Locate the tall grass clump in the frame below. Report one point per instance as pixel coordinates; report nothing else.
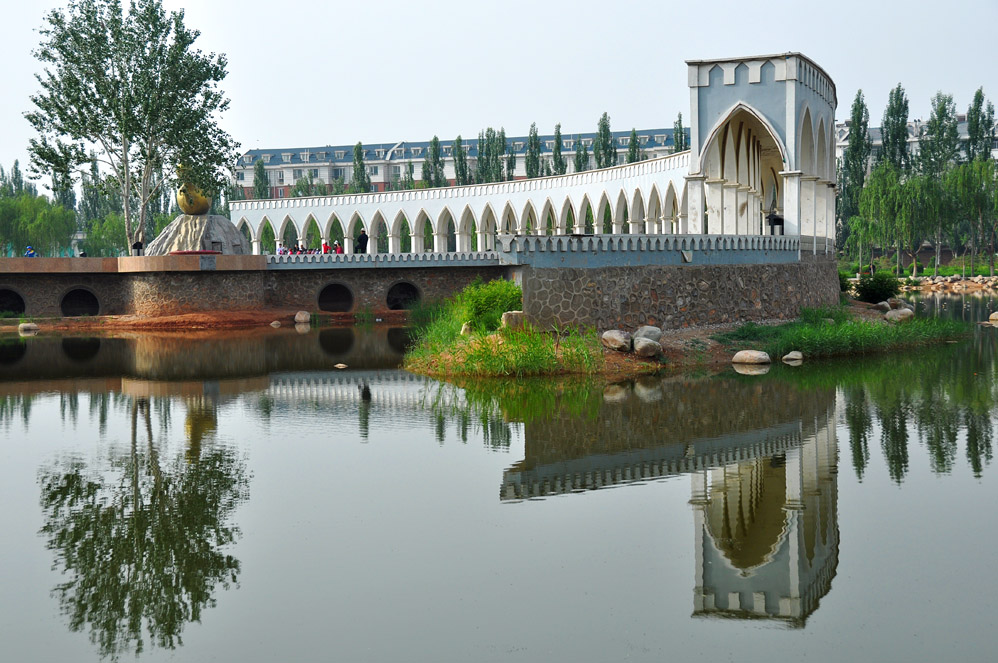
(440, 349)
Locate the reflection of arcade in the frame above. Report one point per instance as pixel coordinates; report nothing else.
(767, 534)
(764, 480)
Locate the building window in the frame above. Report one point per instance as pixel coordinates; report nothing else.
(265, 157)
(660, 139)
(518, 145)
(372, 170)
(280, 193)
(623, 142)
(587, 142)
(396, 171)
(416, 151)
(549, 144)
(248, 158)
(568, 144)
(322, 156)
(339, 154)
(447, 150)
(304, 156)
(297, 174)
(315, 173)
(337, 173)
(286, 157)
(240, 176)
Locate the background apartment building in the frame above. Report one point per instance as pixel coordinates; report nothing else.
(387, 162)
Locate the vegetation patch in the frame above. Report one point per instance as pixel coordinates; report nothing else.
(832, 331)
(440, 348)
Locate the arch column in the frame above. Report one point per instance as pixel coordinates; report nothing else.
(418, 243)
(830, 216)
(651, 225)
(743, 207)
(486, 240)
(695, 204)
(791, 201)
(440, 242)
(257, 247)
(394, 243)
(713, 206)
(808, 206)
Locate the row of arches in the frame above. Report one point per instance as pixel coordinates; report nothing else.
(466, 230)
(75, 302)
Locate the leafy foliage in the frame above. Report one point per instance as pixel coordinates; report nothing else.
(877, 287)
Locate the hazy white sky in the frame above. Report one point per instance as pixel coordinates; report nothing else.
(305, 73)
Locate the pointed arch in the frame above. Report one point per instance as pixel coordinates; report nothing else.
(620, 214)
(245, 229)
(422, 232)
(353, 229)
(289, 231)
(400, 234)
(465, 232)
(654, 207)
(378, 242)
(585, 219)
(564, 217)
(445, 232)
(488, 228)
(334, 228)
(725, 119)
(636, 213)
(529, 223)
(821, 158)
(549, 223)
(509, 223)
(603, 215)
(267, 236)
(806, 144)
(670, 211)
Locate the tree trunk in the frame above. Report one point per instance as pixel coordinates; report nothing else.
(939, 241)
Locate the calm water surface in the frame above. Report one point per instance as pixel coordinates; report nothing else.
(197, 499)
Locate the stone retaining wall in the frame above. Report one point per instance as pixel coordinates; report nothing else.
(676, 296)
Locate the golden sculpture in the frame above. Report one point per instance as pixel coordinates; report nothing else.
(192, 200)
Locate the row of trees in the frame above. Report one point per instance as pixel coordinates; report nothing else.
(496, 162)
(944, 192)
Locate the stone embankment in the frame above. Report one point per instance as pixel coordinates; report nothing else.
(957, 282)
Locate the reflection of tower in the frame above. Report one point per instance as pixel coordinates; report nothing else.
(767, 532)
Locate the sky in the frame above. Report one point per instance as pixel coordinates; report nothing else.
(307, 73)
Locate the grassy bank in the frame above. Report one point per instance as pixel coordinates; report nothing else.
(815, 336)
(488, 351)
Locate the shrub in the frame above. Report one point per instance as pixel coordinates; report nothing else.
(486, 302)
(877, 288)
(844, 281)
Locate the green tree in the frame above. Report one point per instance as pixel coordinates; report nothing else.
(894, 130)
(855, 161)
(939, 145)
(880, 204)
(492, 163)
(679, 135)
(974, 188)
(980, 127)
(532, 159)
(462, 175)
(434, 165)
(132, 87)
(408, 181)
(261, 183)
(633, 149)
(558, 163)
(361, 181)
(581, 156)
(604, 149)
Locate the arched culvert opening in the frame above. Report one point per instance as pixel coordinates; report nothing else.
(335, 298)
(12, 350)
(80, 349)
(400, 339)
(79, 302)
(402, 296)
(11, 303)
(336, 342)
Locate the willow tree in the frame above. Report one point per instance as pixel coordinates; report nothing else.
(130, 86)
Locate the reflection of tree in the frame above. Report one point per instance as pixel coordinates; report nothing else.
(860, 423)
(142, 552)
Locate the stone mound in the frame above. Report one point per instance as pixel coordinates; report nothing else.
(199, 233)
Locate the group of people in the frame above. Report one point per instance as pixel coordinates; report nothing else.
(360, 246)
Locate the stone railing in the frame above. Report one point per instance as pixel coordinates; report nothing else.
(380, 260)
(637, 250)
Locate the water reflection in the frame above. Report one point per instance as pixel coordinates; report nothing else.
(762, 457)
(141, 536)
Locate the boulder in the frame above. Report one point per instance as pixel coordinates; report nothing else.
(649, 332)
(339, 367)
(648, 389)
(27, 329)
(303, 317)
(883, 307)
(202, 232)
(993, 317)
(751, 357)
(275, 324)
(513, 320)
(899, 315)
(616, 339)
(645, 347)
(793, 362)
(302, 327)
(896, 303)
(793, 356)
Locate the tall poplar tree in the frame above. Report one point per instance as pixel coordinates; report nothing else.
(679, 135)
(433, 165)
(558, 164)
(261, 183)
(361, 181)
(854, 161)
(980, 127)
(939, 145)
(633, 149)
(603, 147)
(461, 174)
(532, 159)
(894, 131)
(581, 156)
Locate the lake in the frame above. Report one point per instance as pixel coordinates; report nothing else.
(205, 497)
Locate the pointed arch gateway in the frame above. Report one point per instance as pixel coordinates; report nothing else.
(604, 215)
(487, 229)
(268, 237)
(400, 234)
(422, 233)
(290, 233)
(466, 229)
(445, 232)
(246, 231)
(549, 225)
(334, 231)
(620, 224)
(586, 219)
(528, 220)
(312, 234)
(378, 234)
(354, 226)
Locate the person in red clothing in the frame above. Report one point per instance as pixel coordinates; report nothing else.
(325, 246)
(337, 247)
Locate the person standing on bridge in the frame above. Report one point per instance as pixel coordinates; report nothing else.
(362, 241)
(30, 253)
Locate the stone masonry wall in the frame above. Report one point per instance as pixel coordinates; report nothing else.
(175, 293)
(301, 288)
(43, 293)
(677, 296)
